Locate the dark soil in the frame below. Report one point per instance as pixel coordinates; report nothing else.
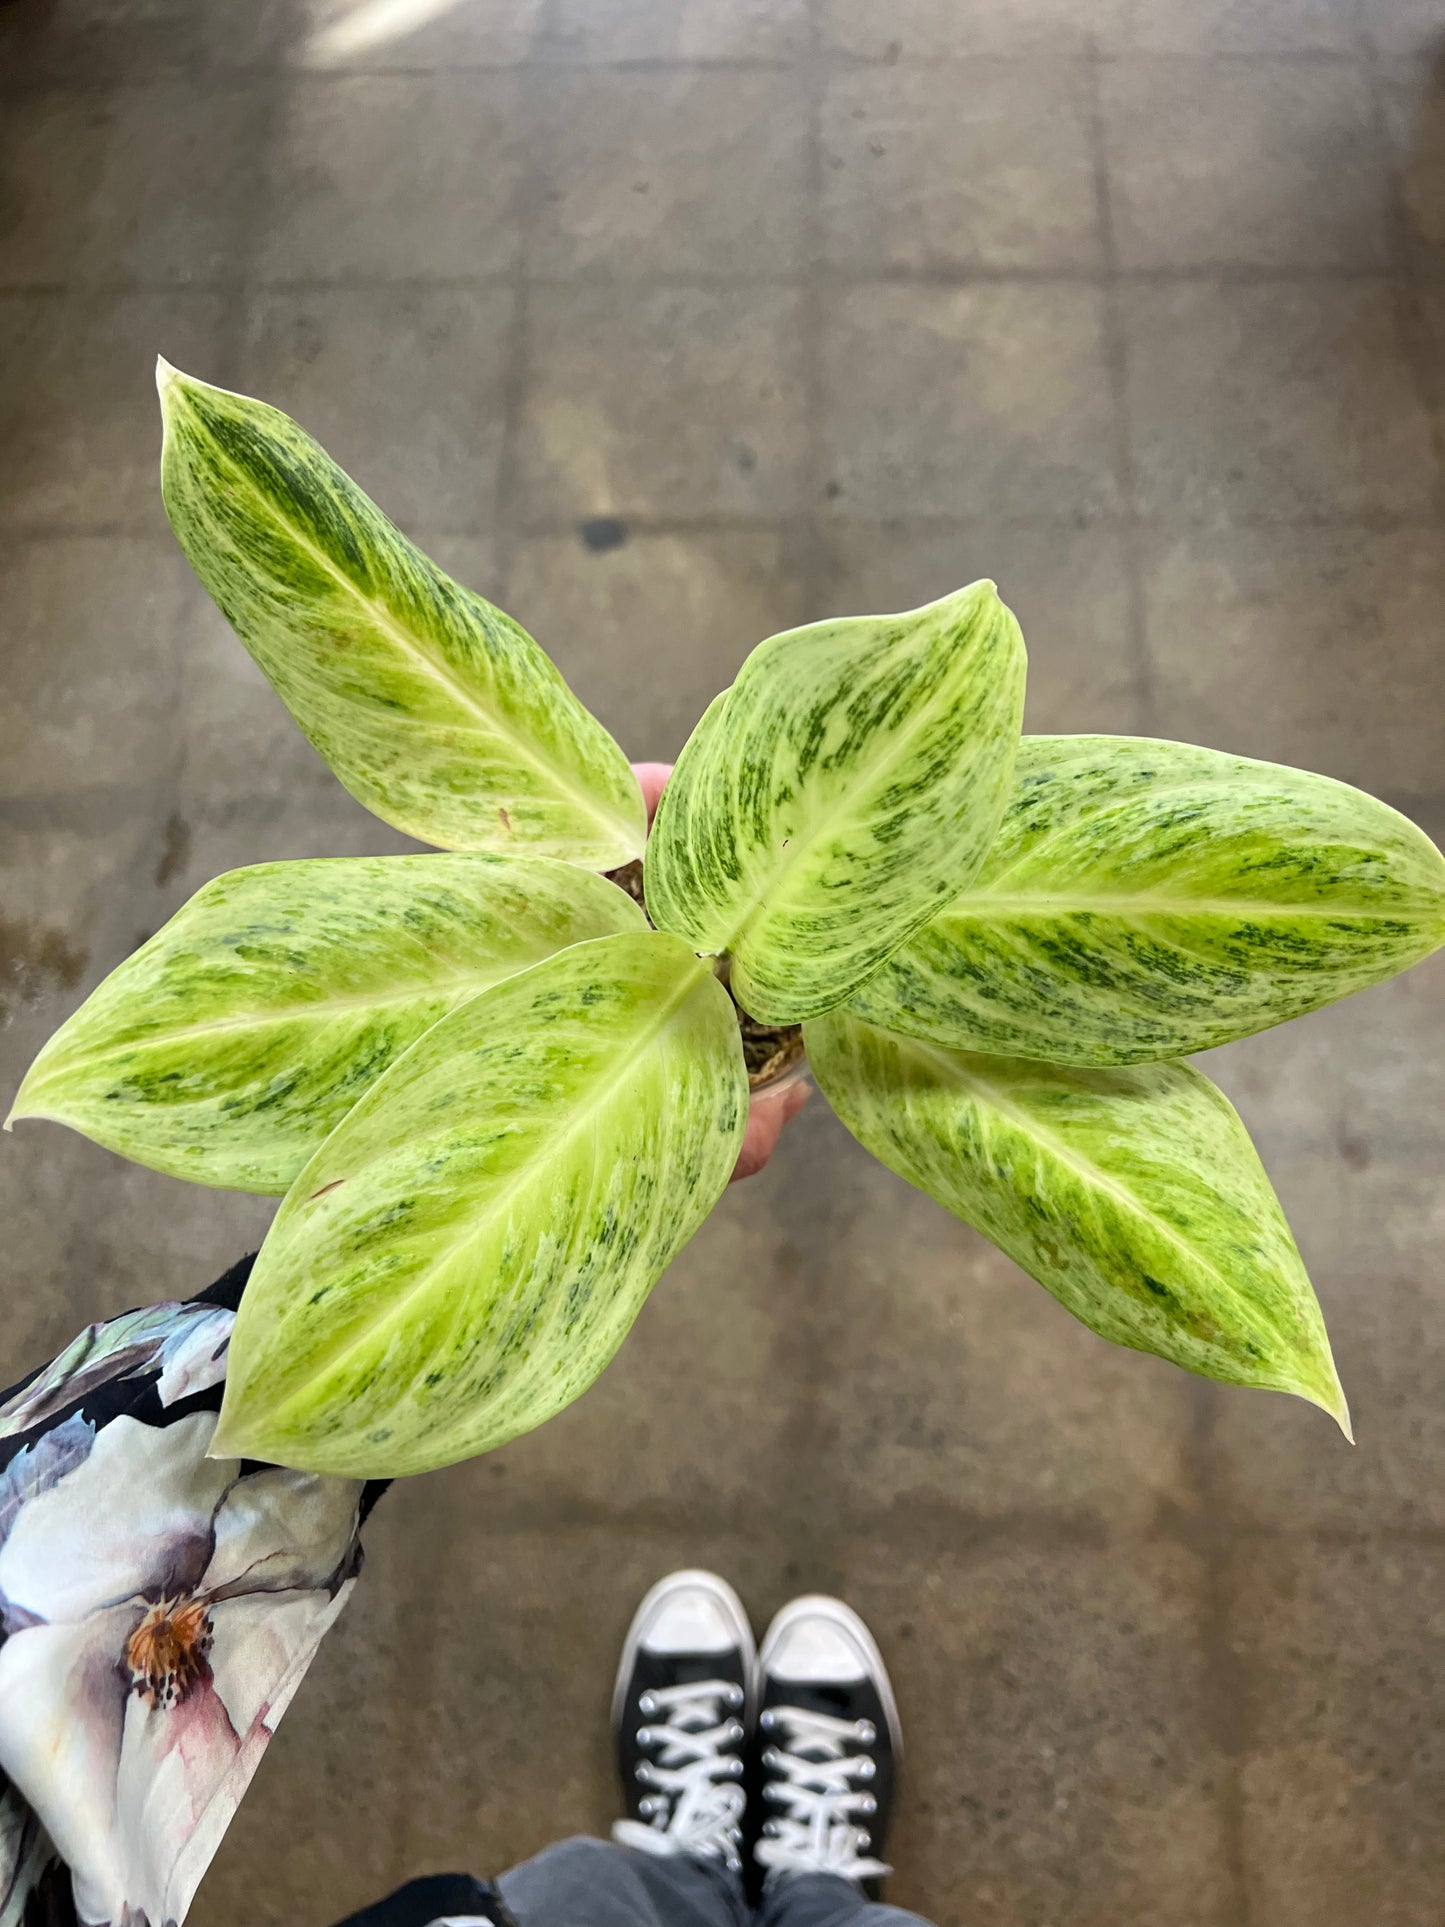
(629, 878)
(768, 1049)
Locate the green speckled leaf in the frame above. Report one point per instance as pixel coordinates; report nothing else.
(434, 708)
(837, 795)
(1134, 1195)
(1143, 900)
(226, 1048)
(468, 1249)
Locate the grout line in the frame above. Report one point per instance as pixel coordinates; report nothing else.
(528, 199)
(553, 59)
(1410, 273)
(429, 1577)
(642, 523)
(1216, 1655)
(828, 277)
(814, 562)
(906, 1520)
(159, 810)
(503, 523)
(1116, 358)
(807, 1500)
(1225, 1694)
(557, 62)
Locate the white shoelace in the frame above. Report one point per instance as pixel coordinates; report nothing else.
(698, 1805)
(814, 1764)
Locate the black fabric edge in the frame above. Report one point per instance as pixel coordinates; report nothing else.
(432, 1897)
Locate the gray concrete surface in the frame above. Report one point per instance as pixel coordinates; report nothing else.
(831, 305)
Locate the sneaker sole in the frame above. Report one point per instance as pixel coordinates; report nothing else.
(821, 1606)
(691, 1579)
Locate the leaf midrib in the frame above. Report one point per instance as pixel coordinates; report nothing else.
(468, 984)
(803, 843)
(1088, 1173)
(581, 1115)
(495, 725)
(982, 903)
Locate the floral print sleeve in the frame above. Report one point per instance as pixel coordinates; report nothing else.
(157, 1612)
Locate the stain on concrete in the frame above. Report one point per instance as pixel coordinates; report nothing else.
(603, 532)
(36, 961)
(175, 849)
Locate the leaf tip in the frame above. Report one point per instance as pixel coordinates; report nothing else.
(229, 1441)
(1334, 1401)
(973, 596)
(1329, 1396)
(19, 1110)
(169, 383)
(167, 378)
(21, 1105)
(174, 386)
(1339, 1411)
(234, 1437)
(980, 604)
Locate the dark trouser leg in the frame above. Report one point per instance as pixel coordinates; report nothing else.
(436, 1896)
(822, 1900)
(590, 1883)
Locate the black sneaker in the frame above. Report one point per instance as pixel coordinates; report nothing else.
(828, 1726)
(680, 1718)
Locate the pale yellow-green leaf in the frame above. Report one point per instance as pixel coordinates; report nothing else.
(845, 787)
(435, 710)
(226, 1048)
(470, 1246)
(1134, 1195)
(1144, 900)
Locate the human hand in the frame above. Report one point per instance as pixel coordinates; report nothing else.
(770, 1111)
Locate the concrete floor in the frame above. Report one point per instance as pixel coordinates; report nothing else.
(669, 323)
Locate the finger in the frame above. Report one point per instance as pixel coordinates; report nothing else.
(766, 1118)
(764, 1127)
(650, 779)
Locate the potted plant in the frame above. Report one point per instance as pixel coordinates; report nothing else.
(499, 1088)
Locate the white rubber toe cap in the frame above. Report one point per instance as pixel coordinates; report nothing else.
(815, 1640)
(687, 1612)
(692, 1612)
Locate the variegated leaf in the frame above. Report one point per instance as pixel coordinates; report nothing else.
(470, 1246)
(226, 1048)
(1134, 1195)
(837, 795)
(1144, 900)
(436, 710)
